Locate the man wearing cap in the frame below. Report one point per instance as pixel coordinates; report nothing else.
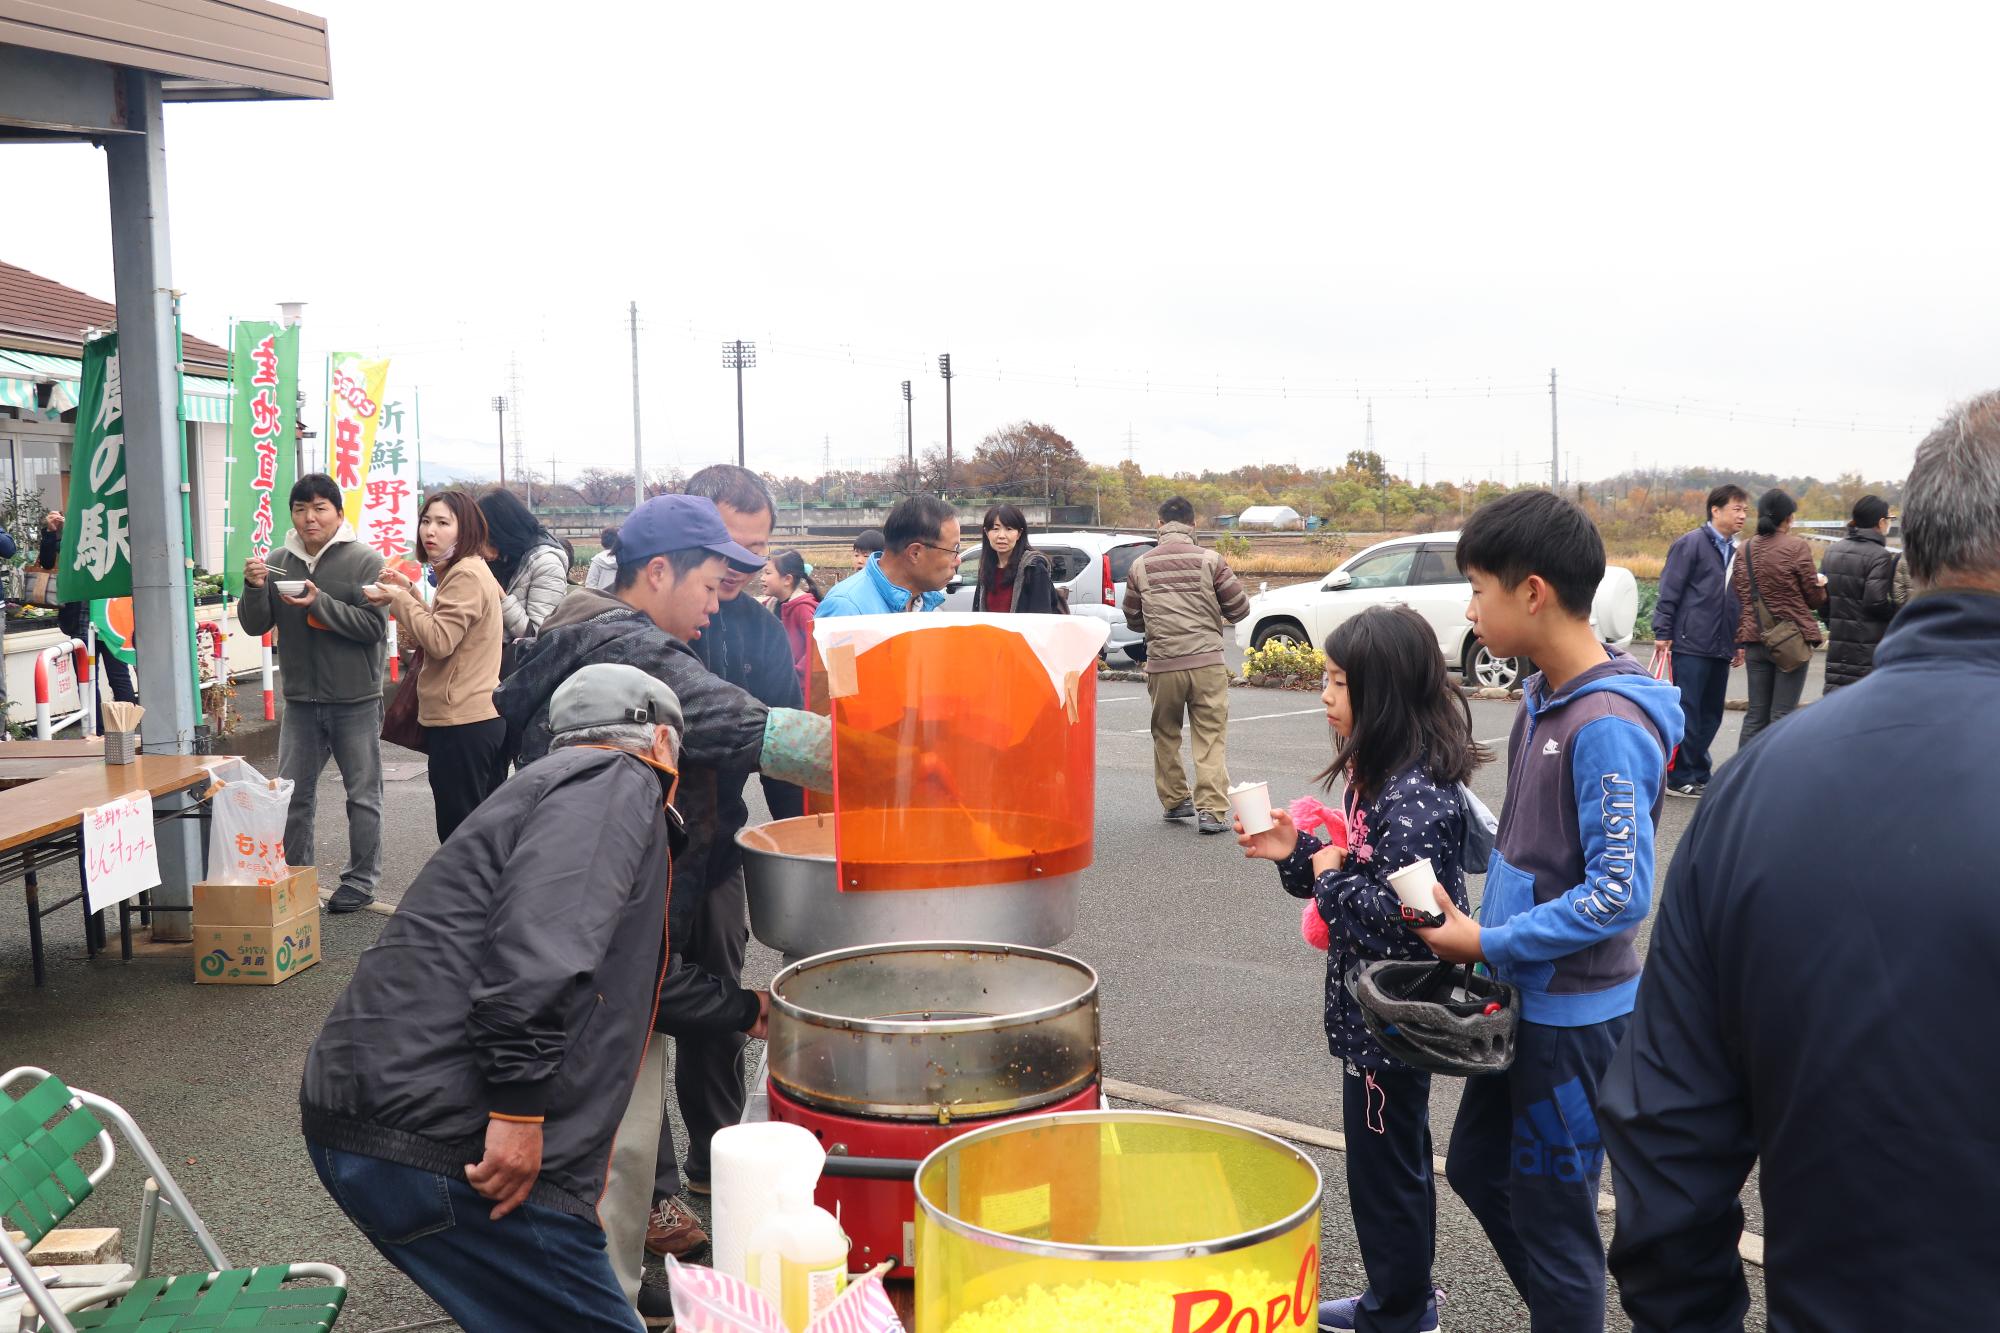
(673, 554)
(460, 1102)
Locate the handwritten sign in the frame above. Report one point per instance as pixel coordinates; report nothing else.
(120, 859)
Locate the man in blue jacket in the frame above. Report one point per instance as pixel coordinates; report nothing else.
(1695, 620)
(919, 555)
(1817, 994)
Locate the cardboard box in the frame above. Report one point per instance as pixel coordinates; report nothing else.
(256, 904)
(256, 955)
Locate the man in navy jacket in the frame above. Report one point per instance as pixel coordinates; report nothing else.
(1696, 620)
(1818, 996)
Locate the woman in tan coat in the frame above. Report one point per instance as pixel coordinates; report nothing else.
(460, 633)
(1792, 589)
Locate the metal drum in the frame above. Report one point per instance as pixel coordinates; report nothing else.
(797, 908)
(934, 1031)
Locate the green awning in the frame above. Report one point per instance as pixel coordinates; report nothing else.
(203, 398)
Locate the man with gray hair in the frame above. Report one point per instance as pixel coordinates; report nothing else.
(1814, 995)
(459, 1105)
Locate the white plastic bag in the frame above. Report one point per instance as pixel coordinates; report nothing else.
(246, 838)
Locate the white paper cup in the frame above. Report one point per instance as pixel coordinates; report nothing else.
(1250, 802)
(1413, 885)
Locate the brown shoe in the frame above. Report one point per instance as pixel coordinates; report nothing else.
(674, 1229)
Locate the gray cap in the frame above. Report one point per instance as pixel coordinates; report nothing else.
(609, 694)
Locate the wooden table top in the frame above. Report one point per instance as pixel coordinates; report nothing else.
(55, 803)
(84, 748)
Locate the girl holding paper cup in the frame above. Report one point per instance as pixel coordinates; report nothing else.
(1403, 743)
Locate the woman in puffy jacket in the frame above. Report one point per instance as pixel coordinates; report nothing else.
(1861, 600)
(1792, 590)
(529, 563)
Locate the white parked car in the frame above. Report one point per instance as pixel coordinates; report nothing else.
(1090, 565)
(1419, 572)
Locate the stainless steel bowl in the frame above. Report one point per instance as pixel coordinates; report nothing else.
(797, 908)
(929, 1030)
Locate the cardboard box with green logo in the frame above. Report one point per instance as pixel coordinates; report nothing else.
(256, 934)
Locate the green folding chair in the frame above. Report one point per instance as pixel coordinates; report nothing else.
(42, 1132)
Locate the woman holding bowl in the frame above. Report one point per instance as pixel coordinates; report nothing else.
(459, 633)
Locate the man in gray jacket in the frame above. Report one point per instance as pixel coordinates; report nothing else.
(461, 1101)
(1180, 595)
(330, 661)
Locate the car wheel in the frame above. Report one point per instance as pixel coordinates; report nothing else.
(1482, 668)
(1278, 631)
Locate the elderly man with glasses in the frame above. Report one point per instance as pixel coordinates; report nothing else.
(918, 558)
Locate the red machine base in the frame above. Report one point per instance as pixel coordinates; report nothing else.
(879, 1216)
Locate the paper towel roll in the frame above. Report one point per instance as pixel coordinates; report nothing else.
(748, 1164)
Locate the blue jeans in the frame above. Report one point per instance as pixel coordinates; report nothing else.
(350, 735)
(535, 1269)
(1392, 1194)
(1704, 684)
(1526, 1157)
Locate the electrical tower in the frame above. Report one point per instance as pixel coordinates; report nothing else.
(514, 402)
(1129, 442)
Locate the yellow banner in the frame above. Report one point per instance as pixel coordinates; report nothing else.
(353, 406)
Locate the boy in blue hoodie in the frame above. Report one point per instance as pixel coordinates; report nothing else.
(1570, 880)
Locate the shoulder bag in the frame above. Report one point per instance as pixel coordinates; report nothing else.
(399, 719)
(1783, 638)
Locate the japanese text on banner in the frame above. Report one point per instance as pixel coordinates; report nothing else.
(353, 411)
(262, 443)
(389, 502)
(96, 559)
(120, 859)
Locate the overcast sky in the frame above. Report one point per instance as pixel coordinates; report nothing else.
(1223, 231)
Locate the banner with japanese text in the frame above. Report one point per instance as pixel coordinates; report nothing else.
(263, 444)
(390, 500)
(96, 559)
(353, 411)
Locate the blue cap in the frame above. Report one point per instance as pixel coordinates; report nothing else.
(680, 523)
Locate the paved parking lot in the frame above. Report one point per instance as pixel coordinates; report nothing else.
(1208, 992)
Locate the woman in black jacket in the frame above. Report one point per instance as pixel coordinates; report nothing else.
(1860, 575)
(1013, 575)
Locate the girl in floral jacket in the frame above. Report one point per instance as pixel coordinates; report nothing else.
(1404, 744)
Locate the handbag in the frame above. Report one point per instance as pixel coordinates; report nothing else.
(1783, 638)
(399, 719)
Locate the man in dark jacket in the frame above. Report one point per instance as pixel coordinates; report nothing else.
(1814, 998)
(460, 1102)
(1860, 572)
(330, 641)
(1695, 620)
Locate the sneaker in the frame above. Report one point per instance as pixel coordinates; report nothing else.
(1339, 1316)
(656, 1307)
(1207, 823)
(674, 1229)
(347, 898)
(1185, 810)
(1691, 790)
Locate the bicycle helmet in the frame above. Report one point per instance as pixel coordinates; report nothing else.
(1438, 1017)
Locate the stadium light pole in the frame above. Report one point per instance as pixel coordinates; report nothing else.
(739, 356)
(944, 369)
(500, 410)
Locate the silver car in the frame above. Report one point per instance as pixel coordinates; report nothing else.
(1090, 566)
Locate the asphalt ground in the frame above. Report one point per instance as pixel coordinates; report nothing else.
(1208, 992)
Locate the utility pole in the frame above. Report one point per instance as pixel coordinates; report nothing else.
(638, 455)
(500, 410)
(1555, 452)
(944, 369)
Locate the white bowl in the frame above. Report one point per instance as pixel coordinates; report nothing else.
(291, 587)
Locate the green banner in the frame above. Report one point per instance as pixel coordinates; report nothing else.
(263, 444)
(96, 559)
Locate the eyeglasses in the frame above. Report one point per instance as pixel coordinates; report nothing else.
(933, 546)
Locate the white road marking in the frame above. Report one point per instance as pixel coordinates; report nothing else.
(1253, 717)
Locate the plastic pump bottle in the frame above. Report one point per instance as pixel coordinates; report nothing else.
(797, 1256)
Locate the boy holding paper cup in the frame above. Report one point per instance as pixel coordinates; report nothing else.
(1403, 744)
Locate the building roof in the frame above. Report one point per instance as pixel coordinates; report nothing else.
(40, 315)
(1269, 514)
(207, 50)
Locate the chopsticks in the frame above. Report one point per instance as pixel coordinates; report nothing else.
(122, 716)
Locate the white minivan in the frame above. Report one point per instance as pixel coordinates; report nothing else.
(1091, 566)
(1419, 572)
